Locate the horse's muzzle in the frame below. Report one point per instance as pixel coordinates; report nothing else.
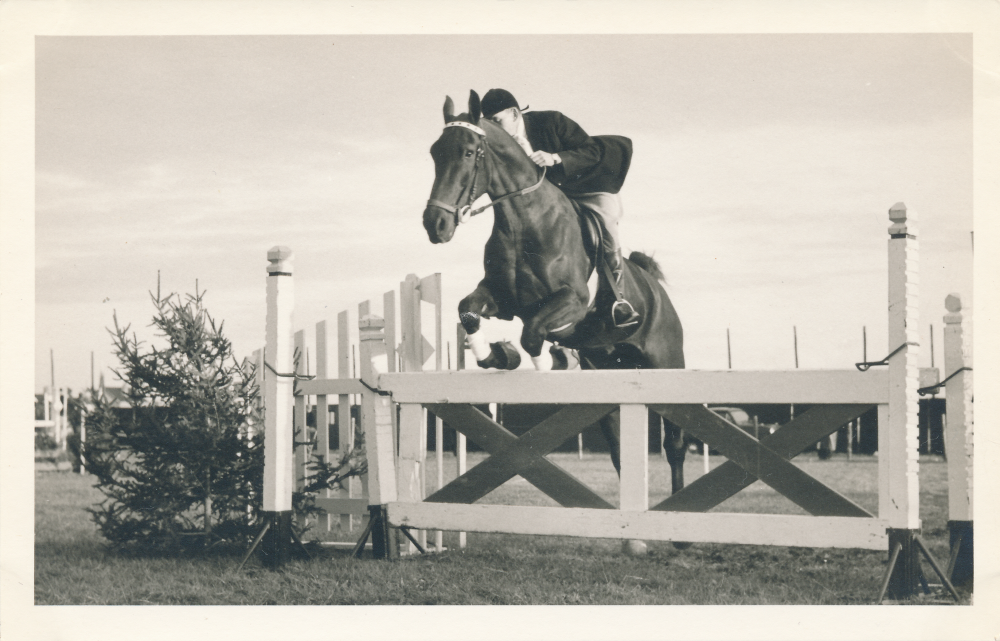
(439, 223)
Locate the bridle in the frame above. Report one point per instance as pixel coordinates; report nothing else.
(463, 213)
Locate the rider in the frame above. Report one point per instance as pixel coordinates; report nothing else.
(589, 169)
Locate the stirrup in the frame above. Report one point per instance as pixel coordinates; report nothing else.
(629, 315)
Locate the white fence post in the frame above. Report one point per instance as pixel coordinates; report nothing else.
(278, 390)
(898, 428)
(958, 443)
(376, 420)
(958, 399)
(634, 462)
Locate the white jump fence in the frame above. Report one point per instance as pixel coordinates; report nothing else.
(397, 497)
(346, 508)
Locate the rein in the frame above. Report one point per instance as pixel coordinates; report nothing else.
(462, 214)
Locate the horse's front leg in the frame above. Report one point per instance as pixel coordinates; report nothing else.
(473, 308)
(556, 315)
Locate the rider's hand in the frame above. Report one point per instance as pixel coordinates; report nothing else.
(545, 159)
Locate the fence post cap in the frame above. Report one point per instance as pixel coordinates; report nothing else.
(903, 222)
(280, 258)
(953, 303)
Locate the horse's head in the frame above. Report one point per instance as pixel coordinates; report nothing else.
(459, 169)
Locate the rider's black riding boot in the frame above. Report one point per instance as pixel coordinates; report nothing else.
(622, 312)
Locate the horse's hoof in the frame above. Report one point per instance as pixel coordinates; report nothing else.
(564, 359)
(506, 355)
(634, 547)
(681, 545)
(503, 355)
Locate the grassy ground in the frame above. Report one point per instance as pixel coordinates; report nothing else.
(72, 566)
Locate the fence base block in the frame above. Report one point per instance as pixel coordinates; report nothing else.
(903, 575)
(275, 547)
(960, 569)
(903, 572)
(385, 544)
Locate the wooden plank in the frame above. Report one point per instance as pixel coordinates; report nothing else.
(345, 429)
(301, 450)
(376, 417)
(750, 529)
(322, 404)
(300, 446)
(787, 442)
(343, 506)
(411, 424)
(513, 456)
(640, 386)
(329, 386)
(439, 460)
(412, 338)
(323, 410)
(259, 378)
(389, 313)
(747, 452)
(430, 291)
(634, 481)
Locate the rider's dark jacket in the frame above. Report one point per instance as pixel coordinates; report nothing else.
(589, 163)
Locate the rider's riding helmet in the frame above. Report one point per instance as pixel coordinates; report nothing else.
(496, 100)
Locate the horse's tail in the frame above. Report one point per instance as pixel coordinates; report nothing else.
(649, 264)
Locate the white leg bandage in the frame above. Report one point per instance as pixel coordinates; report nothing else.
(479, 345)
(543, 362)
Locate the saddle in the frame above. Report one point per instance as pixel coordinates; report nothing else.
(592, 228)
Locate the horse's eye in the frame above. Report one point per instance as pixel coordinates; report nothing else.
(468, 153)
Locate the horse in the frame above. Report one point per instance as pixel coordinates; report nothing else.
(537, 268)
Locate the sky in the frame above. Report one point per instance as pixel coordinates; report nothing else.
(764, 169)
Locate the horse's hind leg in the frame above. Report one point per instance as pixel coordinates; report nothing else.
(473, 308)
(611, 429)
(674, 446)
(557, 315)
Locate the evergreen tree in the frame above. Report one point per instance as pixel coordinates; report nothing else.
(182, 468)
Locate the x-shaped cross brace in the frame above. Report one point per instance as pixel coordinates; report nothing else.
(511, 455)
(768, 459)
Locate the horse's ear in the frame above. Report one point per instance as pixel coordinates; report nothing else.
(474, 107)
(449, 109)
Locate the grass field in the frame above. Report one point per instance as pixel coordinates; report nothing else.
(73, 567)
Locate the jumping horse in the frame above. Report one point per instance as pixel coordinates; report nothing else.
(538, 265)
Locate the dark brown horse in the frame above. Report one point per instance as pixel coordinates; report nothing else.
(537, 266)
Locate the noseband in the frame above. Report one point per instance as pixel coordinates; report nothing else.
(462, 214)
